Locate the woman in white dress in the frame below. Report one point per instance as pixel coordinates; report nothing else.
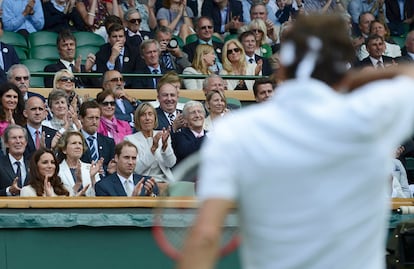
(155, 154)
(204, 58)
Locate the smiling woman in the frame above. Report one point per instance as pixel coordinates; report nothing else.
(11, 106)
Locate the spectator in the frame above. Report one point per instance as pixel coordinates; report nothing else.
(24, 17)
(15, 169)
(259, 11)
(150, 52)
(234, 63)
(172, 57)
(376, 57)
(134, 34)
(64, 118)
(65, 80)
(79, 178)
(215, 9)
(191, 137)
(99, 146)
(62, 14)
(155, 154)
(94, 13)
(177, 16)
(357, 7)
(44, 180)
(109, 125)
(263, 89)
(125, 182)
(409, 46)
(8, 57)
(400, 187)
(398, 14)
(217, 108)
(146, 12)
(364, 26)
(248, 40)
(66, 44)
(204, 58)
(286, 11)
(116, 55)
(11, 106)
(204, 32)
(258, 27)
(19, 75)
(38, 135)
(125, 105)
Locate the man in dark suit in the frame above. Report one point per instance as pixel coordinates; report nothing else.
(234, 14)
(248, 40)
(150, 53)
(124, 182)
(125, 105)
(14, 173)
(99, 146)
(408, 57)
(376, 48)
(189, 139)
(116, 55)
(38, 135)
(8, 57)
(19, 75)
(66, 44)
(204, 32)
(134, 36)
(393, 13)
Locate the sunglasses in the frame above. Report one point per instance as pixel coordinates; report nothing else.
(257, 31)
(67, 79)
(111, 103)
(135, 20)
(205, 27)
(235, 50)
(21, 78)
(116, 80)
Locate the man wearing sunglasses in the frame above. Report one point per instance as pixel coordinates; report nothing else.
(117, 55)
(19, 75)
(134, 36)
(204, 32)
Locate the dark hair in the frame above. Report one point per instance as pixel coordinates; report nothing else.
(115, 28)
(333, 57)
(86, 105)
(63, 143)
(100, 97)
(121, 145)
(110, 20)
(56, 94)
(65, 34)
(18, 112)
(246, 34)
(37, 180)
(373, 37)
(202, 18)
(261, 81)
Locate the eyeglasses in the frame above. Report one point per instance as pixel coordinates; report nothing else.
(135, 20)
(21, 78)
(67, 79)
(116, 80)
(257, 31)
(235, 50)
(205, 27)
(111, 103)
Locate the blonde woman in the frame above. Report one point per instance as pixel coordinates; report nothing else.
(65, 80)
(204, 58)
(258, 27)
(234, 63)
(217, 108)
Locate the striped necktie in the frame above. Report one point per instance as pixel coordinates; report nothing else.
(92, 148)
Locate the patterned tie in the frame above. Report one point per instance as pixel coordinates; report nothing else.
(18, 174)
(171, 117)
(166, 58)
(92, 148)
(37, 139)
(379, 65)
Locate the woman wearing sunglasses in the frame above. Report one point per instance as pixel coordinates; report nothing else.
(258, 27)
(65, 80)
(109, 125)
(234, 63)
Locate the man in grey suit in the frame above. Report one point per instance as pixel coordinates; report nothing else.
(14, 172)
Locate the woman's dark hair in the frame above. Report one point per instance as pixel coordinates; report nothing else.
(18, 112)
(100, 97)
(37, 180)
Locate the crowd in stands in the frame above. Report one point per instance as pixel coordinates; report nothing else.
(114, 144)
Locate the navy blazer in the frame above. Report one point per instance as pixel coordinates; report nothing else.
(266, 67)
(191, 48)
(146, 82)
(212, 10)
(112, 186)
(79, 82)
(7, 174)
(30, 148)
(163, 121)
(106, 150)
(129, 108)
(136, 40)
(184, 143)
(367, 61)
(9, 58)
(131, 61)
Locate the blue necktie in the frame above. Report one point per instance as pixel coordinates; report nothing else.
(166, 58)
(19, 174)
(92, 148)
(155, 79)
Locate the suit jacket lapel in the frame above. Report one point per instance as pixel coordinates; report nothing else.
(118, 188)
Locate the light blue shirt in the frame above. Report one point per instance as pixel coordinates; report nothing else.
(13, 19)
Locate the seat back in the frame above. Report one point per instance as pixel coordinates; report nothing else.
(36, 65)
(46, 52)
(85, 50)
(42, 38)
(88, 39)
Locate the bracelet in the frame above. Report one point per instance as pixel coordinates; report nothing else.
(92, 14)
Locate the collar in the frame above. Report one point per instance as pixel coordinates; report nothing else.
(196, 134)
(131, 34)
(123, 179)
(13, 160)
(374, 61)
(209, 42)
(67, 63)
(33, 130)
(86, 135)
